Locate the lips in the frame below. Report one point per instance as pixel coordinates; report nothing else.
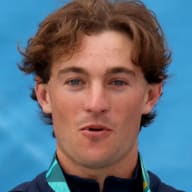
(95, 127)
(96, 131)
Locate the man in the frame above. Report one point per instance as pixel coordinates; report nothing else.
(99, 67)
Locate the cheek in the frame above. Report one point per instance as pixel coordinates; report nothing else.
(128, 110)
(65, 108)
(129, 104)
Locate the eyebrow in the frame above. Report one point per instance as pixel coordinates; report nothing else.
(116, 70)
(72, 70)
(113, 70)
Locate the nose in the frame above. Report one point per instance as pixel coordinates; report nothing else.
(97, 100)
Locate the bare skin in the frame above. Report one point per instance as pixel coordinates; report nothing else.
(97, 98)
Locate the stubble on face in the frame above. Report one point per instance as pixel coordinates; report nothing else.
(90, 99)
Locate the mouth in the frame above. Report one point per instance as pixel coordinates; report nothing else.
(95, 127)
(96, 131)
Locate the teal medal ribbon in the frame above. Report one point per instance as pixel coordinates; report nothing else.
(145, 175)
(57, 181)
(55, 177)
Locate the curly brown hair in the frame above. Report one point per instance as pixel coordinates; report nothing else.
(61, 34)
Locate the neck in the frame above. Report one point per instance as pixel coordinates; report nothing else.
(123, 168)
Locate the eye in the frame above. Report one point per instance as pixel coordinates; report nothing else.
(119, 83)
(75, 82)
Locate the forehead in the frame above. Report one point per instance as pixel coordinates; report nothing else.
(104, 50)
(106, 41)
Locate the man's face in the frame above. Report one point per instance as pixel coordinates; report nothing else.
(96, 99)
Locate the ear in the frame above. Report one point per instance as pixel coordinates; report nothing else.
(152, 96)
(42, 95)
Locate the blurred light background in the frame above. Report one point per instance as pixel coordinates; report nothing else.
(26, 144)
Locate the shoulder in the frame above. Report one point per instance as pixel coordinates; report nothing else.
(157, 185)
(38, 184)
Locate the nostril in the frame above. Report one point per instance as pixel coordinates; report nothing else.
(96, 102)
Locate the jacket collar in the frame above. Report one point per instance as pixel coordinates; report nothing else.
(57, 181)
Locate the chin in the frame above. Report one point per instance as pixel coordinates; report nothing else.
(96, 161)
